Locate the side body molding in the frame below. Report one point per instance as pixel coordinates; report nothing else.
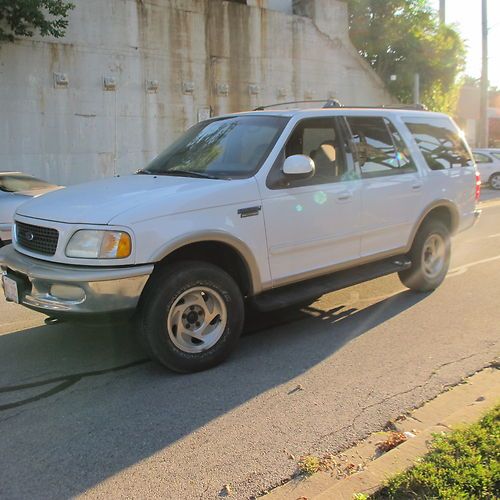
(236, 244)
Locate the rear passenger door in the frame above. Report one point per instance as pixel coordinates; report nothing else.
(391, 195)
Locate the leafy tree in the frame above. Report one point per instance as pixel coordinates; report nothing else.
(22, 17)
(404, 37)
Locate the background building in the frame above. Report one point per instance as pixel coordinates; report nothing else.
(131, 75)
(468, 115)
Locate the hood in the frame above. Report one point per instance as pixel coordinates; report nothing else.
(134, 198)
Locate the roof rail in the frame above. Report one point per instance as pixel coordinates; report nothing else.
(416, 107)
(334, 103)
(328, 103)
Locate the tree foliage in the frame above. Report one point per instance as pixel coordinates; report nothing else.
(404, 37)
(23, 17)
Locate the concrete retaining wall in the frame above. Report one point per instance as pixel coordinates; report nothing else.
(131, 75)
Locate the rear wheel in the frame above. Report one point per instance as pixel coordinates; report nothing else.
(190, 316)
(430, 256)
(495, 181)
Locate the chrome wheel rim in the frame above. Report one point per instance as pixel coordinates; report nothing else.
(433, 256)
(197, 320)
(495, 182)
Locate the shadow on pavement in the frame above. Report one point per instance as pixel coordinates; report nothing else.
(107, 420)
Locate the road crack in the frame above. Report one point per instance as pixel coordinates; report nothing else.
(352, 425)
(63, 382)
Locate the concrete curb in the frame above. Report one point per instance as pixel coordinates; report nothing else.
(465, 403)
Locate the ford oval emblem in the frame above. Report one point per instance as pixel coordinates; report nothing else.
(29, 236)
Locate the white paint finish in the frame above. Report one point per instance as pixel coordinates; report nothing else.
(155, 211)
(83, 132)
(312, 227)
(390, 207)
(487, 169)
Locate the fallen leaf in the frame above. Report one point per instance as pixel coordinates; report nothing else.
(393, 439)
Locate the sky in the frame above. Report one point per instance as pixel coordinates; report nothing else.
(466, 15)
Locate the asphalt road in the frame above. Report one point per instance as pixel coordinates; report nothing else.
(82, 412)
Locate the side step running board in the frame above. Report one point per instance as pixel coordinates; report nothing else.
(285, 296)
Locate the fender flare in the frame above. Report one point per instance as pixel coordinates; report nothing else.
(448, 204)
(239, 246)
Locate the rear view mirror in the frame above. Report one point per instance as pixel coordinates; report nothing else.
(299, 166)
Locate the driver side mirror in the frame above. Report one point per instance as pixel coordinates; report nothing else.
(299, 167)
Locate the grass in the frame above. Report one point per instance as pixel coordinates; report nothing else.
(461, 465)
(309, 465)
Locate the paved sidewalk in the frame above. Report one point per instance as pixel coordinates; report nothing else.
(465, 403)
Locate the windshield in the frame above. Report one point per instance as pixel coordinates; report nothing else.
(232, 147)
(14, 183)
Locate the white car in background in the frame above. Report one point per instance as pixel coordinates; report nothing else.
(488, 164)
(15, 189)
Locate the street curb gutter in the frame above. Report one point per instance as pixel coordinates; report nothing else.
(463, 404)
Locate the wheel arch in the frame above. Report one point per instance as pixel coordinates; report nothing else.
(492, 175)
(443, 210)
(218, 248)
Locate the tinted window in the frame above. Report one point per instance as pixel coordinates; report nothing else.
(480, 158)
(439, 142)
(402, 152)
(376, 149)
(225, 147)
(319, 139)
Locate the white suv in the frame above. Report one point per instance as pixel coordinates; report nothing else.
(268, 207)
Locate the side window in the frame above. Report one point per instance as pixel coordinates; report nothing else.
(440, 142)
(319, 139)
(402, 152)
(376, 148)
(496, 155)
(480, 158)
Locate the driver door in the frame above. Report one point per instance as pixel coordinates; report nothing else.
(312, 224)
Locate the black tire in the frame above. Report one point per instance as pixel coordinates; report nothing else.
(162, 292)
(494, 181)
(418, 277)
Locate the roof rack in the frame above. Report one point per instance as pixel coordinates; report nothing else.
(328, 103)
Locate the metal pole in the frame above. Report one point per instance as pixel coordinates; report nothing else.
(442, 11)
(483, 107)
(416, 89)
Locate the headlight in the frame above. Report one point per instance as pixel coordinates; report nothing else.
(90, 244)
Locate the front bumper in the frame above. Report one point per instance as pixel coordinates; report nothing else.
(60, 289)
(5, 234)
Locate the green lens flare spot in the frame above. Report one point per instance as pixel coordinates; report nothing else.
(320, 197)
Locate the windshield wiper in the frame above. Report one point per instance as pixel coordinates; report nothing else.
(186, 173)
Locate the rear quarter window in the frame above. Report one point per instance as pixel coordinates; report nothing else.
(440, 142)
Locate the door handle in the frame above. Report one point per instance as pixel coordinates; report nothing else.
(344, 197)
(416, 186)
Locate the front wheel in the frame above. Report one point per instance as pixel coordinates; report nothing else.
(191, 316)
(495, 181)
(430, 257)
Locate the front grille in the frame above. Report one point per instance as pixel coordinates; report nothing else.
(36, 238)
